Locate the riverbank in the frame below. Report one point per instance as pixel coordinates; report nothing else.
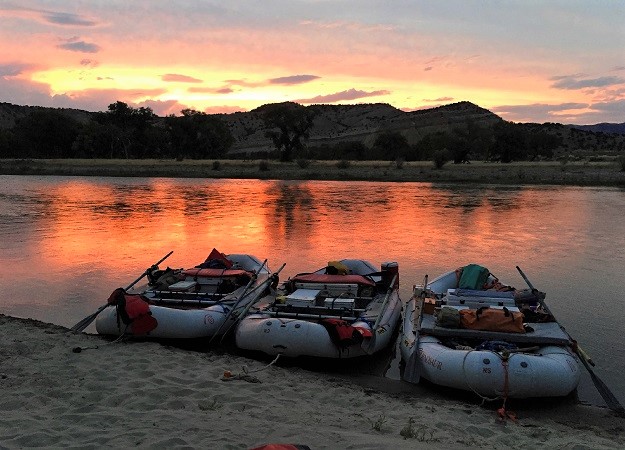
(62, 389)
(571, 173)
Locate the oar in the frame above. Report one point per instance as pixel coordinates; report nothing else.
(370, 344)
(243, 294)
(84, 323)
(412, 372)
(603, 389)
(254, 300)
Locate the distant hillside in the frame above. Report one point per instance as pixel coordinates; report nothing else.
(9, 113)
(617, 128)
(334, 124)
(340, 123)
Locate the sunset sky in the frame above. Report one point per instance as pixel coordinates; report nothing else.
(526, 60)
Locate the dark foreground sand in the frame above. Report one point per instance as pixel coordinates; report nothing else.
(571, 173)
(146, 395)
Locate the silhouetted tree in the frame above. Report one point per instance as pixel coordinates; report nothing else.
(128, 128)
(390, 145)
(287, 125)
(199, 135)
(509, 144)
(541, 143)
(45, 134)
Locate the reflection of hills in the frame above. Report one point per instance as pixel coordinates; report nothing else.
(294, 211)
(468, 199)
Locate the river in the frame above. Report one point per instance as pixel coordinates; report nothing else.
(67, 242)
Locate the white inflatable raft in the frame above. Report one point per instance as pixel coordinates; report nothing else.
(347, 312)
(190, 303)
(537, 362)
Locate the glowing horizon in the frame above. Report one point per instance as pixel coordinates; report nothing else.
(559, 62)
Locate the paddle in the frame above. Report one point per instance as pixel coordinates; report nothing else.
(412, 371)
(243, 294)
(607, 395)
(369, 345)
(247, 307)
(84, 323)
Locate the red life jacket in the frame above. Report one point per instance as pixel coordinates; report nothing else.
(343, 334)
(134, 311)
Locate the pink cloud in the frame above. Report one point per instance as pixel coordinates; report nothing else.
(174, 77)
(350, 94)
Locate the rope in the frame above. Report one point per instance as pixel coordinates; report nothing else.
(483, 397)
(119, 338)
(245, 376)
(502, 414)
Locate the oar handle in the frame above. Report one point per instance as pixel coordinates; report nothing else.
(525, 278)
(147, 270)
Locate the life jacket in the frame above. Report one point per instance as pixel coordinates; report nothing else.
(134, 312)
(343, 334)
(216, 260)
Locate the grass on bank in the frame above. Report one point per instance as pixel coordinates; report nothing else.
(608, 173)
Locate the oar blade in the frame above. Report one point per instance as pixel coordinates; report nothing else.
(84, 323)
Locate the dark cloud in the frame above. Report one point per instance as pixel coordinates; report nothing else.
(577, 82)
(293, 79)
(350, 94)
(61, 18)
(616, 106)
(24, 92)
(174, 77)
(12, 70)
(537, 112)
(88, 62)
(79, 46)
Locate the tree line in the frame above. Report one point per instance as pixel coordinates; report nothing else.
(135, 133)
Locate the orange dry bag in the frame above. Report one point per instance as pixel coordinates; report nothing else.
(491, 319)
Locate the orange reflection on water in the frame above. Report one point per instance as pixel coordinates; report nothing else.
(303, 223)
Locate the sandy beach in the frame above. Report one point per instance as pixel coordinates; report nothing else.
(148, 395)
(577, 173)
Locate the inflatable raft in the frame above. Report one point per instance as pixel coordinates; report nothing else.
(189, 303)
(505, 344)
(345, 310)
